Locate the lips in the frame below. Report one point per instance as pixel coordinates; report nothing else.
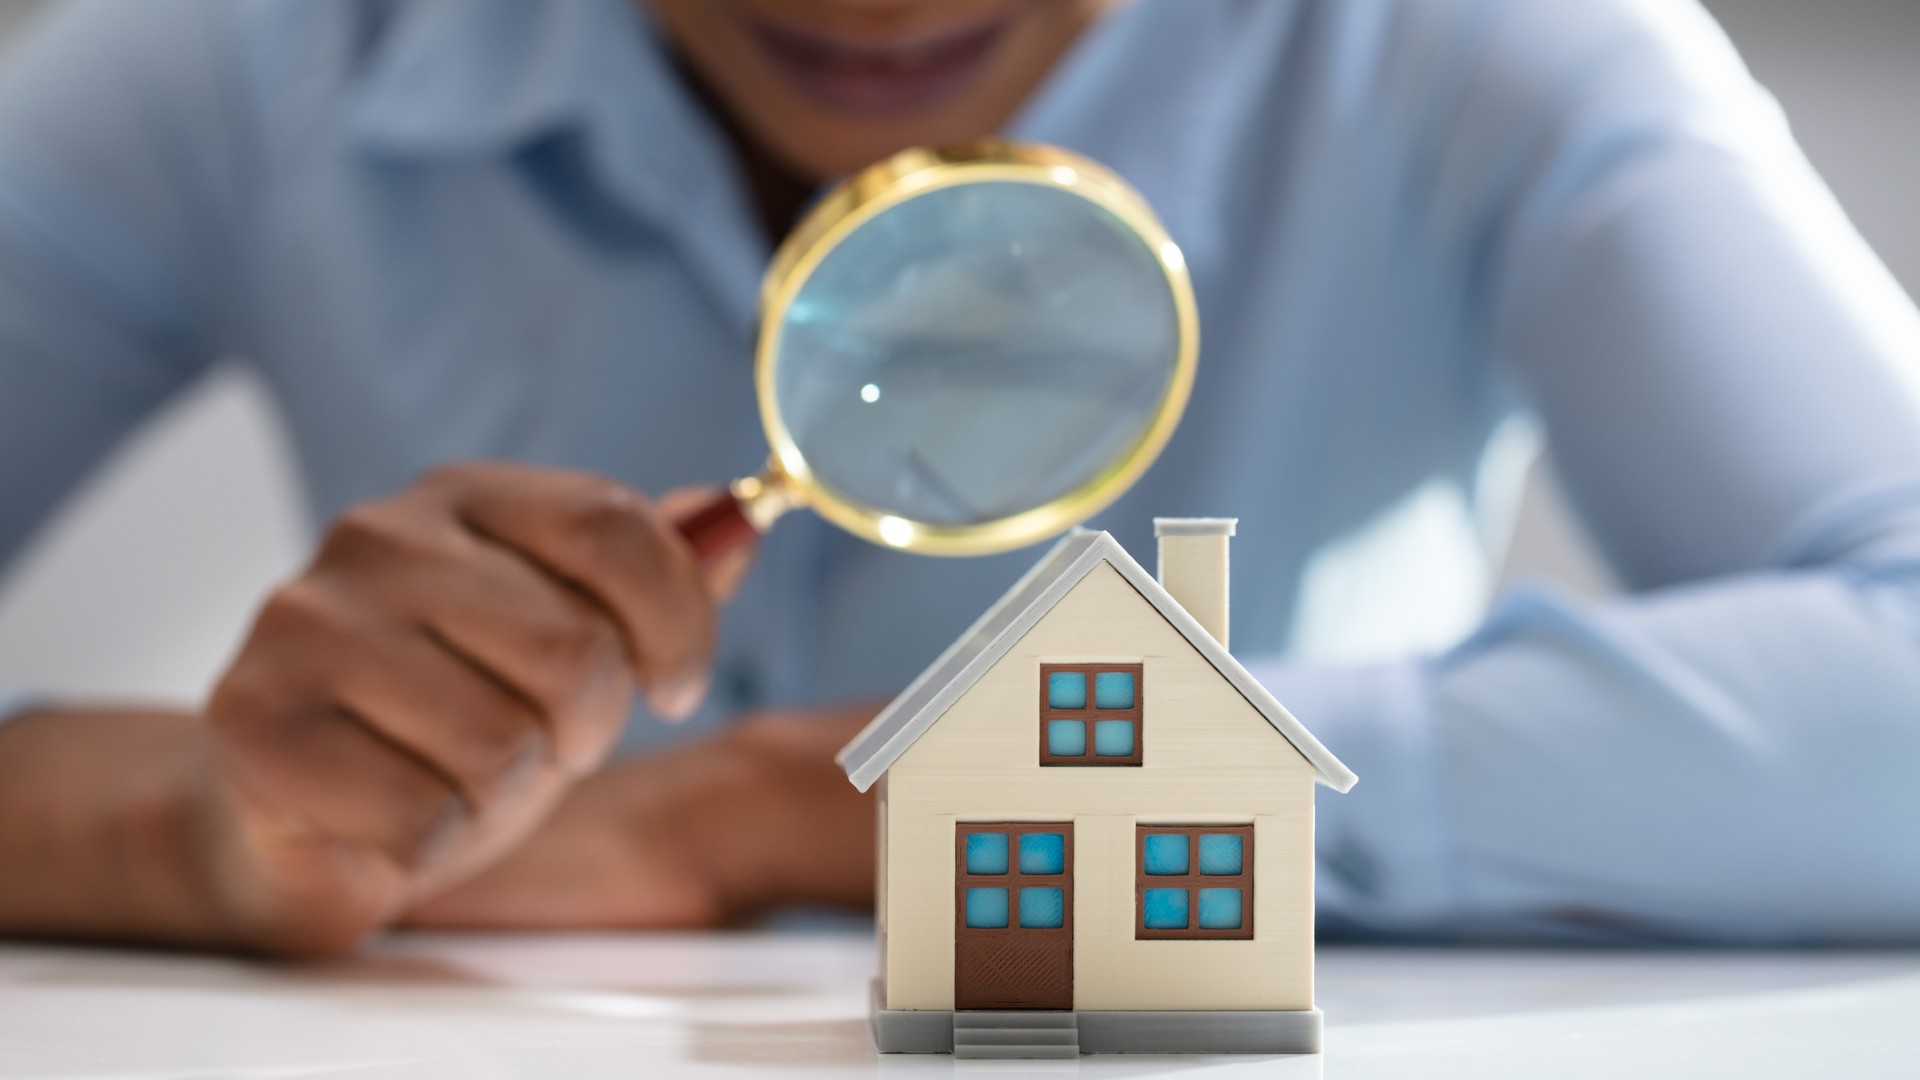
(906, 73)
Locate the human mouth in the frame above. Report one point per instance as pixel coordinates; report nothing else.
(908, 72)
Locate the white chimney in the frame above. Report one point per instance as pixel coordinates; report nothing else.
(1193, 567)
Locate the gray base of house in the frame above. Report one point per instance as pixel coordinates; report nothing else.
(930, 1031)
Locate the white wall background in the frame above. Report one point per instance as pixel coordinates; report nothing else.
(142, 585)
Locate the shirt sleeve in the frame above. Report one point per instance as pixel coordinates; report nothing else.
(1729, 381)
(118, 189)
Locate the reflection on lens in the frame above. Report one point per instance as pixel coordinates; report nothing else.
(976, 352)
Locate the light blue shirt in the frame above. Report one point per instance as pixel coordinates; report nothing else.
(1419, 230)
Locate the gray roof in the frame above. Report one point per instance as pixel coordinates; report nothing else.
(880, 743)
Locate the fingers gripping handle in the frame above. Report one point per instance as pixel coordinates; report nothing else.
(718, 529)
(739, 514)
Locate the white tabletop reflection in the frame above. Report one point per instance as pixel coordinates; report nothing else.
(789, 1004)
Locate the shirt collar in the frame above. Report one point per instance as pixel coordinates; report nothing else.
(477, 78)
(480, 78)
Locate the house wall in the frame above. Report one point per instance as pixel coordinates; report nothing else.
(880, 870)
(1208, 756)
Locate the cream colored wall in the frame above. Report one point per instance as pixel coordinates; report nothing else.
(880, 869)
(1208, 756)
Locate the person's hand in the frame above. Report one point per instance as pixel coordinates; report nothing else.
(713, 833)
(412, 706)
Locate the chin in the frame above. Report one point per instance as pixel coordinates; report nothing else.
(823, 148)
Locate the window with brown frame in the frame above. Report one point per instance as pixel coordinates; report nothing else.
(1090, 714)
(1193, 882)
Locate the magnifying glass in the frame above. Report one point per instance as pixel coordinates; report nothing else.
(964, 351)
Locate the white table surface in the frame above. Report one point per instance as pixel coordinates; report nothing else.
(788, 1004)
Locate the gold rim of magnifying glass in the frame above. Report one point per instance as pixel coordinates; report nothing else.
(788, 483)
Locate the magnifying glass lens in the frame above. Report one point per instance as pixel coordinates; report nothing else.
(975, 352)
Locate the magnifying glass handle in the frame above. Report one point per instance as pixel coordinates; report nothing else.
(718, 529)
(738, 515)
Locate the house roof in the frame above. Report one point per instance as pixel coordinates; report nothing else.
(880, 743)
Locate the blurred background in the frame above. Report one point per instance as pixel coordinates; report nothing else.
(143, 585)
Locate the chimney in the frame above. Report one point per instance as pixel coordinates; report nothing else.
(1193, 567)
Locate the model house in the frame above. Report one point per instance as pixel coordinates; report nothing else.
(1096, 828)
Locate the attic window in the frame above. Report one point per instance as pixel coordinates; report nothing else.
(1090, 714)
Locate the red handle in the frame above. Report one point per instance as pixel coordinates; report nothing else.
(718, 529)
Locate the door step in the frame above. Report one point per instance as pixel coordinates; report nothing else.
(1011, 1034)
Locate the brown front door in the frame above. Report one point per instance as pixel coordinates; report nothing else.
(1013, 916)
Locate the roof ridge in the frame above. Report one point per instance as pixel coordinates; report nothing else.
(878, 745)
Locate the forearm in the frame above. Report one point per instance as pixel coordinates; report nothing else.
(813, 835)
(1729, 762)
(753, 818)
(102, 827)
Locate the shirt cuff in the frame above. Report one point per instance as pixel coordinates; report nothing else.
(1387, 855)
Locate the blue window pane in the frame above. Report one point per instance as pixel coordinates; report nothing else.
(1219, 909)
(1067, 690)
(1043, 853)
(1043, 909)
(1113, 690)
(1165, 909)
(1066, 738)
(1219, 853)
(986, 908)
(1113, 738)
(986, 853)
(1166, 853)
